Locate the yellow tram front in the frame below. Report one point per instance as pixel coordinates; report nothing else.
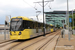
(17, 28)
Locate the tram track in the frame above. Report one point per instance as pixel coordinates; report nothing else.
(34, 44)
(7, 46)
(21, 45)
(47, 43)
(6, 43)
(14, 46)
(27, 42)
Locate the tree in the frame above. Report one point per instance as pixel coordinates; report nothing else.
(57, 26)
(72, 20)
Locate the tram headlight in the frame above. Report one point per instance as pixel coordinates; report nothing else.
(19, 33)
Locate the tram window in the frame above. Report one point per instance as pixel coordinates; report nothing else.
(28, 25)
(25, 24)
(39, 25)
(51, 26)
(31, 24)
(34, 25)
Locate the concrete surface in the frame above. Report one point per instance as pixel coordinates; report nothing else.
(65, 43)
(2, 36)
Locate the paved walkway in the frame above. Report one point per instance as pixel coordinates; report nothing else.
(2, 38)
(65, 43)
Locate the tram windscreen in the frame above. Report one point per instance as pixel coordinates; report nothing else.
(16, 24)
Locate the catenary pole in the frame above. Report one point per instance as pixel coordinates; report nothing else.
(68, 20)
(43, 18)
(43, 13)
(73, 22)
(73, 19)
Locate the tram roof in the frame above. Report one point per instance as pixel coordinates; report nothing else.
(51, 25)
(23, 18)
(26, 18)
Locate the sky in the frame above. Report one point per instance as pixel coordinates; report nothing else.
(27, 8)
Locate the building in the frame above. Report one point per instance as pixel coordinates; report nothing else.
(56, 18)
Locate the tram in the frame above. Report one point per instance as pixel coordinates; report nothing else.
(22, 27)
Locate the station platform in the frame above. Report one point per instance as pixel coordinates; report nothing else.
(65, 43)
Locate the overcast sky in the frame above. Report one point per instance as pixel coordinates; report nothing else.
(26, 8)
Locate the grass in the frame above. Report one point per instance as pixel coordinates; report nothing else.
(73, 34)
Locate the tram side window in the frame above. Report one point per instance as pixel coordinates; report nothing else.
(39, 25)
(51, 27)
(34, 25)
(31, 25)
(25, 24)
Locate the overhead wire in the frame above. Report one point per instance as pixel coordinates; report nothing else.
(49, 6)
(35, 5)
(39, 4)
(46, 4)
(30, 5)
